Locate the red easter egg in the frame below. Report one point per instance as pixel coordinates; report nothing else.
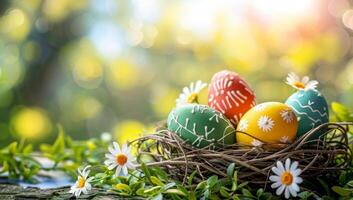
(230, 95)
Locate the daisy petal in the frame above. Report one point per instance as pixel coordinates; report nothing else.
(298, 180)
(280, 190)
(294, 166)
(117, 147)
(118, 170)
(297, 172)
(112, 150)
(305, 79)
(276, 185)
(292, 191)
(112, 166)
(280, 166)
(123, 150)
(89, 186)
(275, 178)
(125, 172)
(287, 164)
(295, 187)
(277, 171)
(286, 193)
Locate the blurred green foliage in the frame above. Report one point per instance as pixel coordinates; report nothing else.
(112, 66)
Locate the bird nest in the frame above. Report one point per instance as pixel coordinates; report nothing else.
(326, 155)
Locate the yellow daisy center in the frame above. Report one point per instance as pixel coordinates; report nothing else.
(299, 84)
(192, 97)
(121, 159)
(287, 178)
(81, 182)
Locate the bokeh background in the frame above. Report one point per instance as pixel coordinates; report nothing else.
(117, 66)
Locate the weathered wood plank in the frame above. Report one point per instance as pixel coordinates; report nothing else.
(15, 192)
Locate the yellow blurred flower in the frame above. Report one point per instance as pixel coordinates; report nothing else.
(31, 123)
(128, 130)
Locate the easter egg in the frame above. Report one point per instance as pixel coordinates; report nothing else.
(201, 126)
(270, 122)
(311, 109)
(230, 95)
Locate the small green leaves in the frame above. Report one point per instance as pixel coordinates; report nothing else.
(344, 192)
(156, 181)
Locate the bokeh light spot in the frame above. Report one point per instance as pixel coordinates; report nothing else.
(31, 123)
(15, 24)
(123, 74)
(128, 130)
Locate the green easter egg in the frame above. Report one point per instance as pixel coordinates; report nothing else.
(201, 126)
(311, 109)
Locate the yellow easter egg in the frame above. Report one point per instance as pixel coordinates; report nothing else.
(267, 123)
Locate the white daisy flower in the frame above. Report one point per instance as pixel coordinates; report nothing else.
(287, 116)
(190, 94)
(284, 139)
(286, 178)
(82, 185)
(256, 143)
(121, 159)
(304, 84)
(265, 123)
(243, 125)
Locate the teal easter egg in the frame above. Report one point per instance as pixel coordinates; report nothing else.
(201, 126)
(311, 109)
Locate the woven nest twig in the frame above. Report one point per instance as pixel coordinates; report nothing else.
(328, 154)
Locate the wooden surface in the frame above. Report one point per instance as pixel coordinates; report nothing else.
(17, 192)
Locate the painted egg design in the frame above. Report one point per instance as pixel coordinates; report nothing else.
(270, 122)
(311, 109)
(201, 126)
(230, 95)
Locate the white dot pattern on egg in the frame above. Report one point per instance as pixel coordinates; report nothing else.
(230, 95)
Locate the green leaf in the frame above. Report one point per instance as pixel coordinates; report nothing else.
(153, 189)
(235, 181)
(344, 192)
(169, 185)
(5, 166)
(157, 197)
(259, 192)
(201, 185)
(246, 193)
(305, 195)
(191, 178)
(13, 148)
(350, 184)
(241, 185)
(212, 181)
(230, 170)
(123, 188)
(145, 170)
(156, 181)
(140, 192)
(28, 149)
(224, 193)
(175, 191)
(342, 113)
(59, 144)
